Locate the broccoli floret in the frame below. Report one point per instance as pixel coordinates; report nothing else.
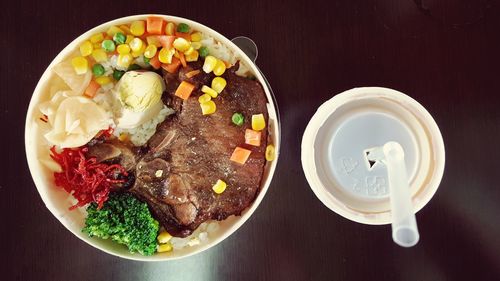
(126, 220)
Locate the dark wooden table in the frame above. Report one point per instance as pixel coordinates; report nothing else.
(445, 54)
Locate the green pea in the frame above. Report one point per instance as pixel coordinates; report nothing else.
(108, 45)
(203, 51)
(117, 74)
(98, 69)
(182, 27)
(119, 38)
(238, 119)
(146, 60)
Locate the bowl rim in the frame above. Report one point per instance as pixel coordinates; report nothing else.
(71, 47)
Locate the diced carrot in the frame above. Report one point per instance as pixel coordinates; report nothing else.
(192, 73)
(184, 90)
(155, 25)
(252, 137)
(144, 37)
(155, 61)
(186, 36)
(182, 58)
(153, 40)
(240, 155)
(166, 41)
(92, 89)
(172, 67)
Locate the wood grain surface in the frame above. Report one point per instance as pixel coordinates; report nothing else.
(445, 54)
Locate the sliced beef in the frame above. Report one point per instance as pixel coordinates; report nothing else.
(115, 152)
(172, 81)
(190, 152)
(199, 79)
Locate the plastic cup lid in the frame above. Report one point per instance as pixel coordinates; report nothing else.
(346, 127)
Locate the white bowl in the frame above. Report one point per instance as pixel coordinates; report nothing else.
(58, 201)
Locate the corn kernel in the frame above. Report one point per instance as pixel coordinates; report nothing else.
(136, 44)
(193, 242)
(123, 137)
(211, 92)
(140, 52)
(124, 61)
(193, 56)
(129, 39)
(113, 30)
(196, 45)
(189, 51)
(165, 55)
(164, 248)
(208, 107)
(270, 152)
(219, 68)
(96, 46)
(86, 48)
(164, 237)
(103, 80)
(97, 38)
(170, 28)
(150, 51)
(218, 84)
(125, 29)
(123, 49)
(219, 187)
(137, 28)
(204, 98)
(258, 122)
(99, 55)
(196, 37)
(209, 64)
(181, 44)
(80, 65)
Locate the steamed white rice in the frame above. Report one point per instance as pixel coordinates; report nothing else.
(140, 135)
(200, 235)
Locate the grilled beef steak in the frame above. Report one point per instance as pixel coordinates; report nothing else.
(190, 152)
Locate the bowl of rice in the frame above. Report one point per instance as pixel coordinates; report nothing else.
(41, 166)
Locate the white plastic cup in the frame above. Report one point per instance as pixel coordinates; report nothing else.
(334, 148)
